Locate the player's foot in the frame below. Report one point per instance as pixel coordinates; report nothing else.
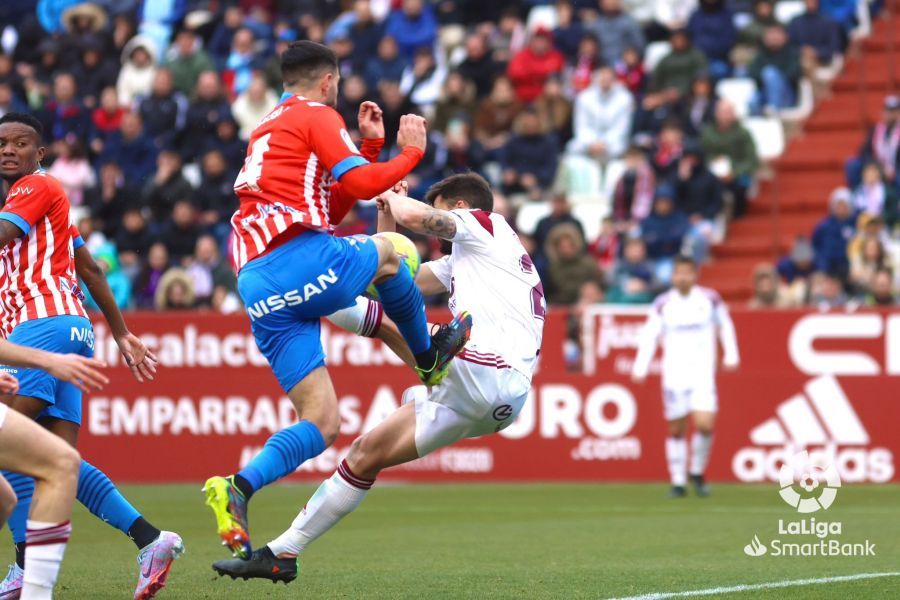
(262, 565)
(11, 586)
(677, 491)
(155, 560)
(700, 487)
(448, 341)
(230, 507)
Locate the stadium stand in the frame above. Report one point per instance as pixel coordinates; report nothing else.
(146, 108)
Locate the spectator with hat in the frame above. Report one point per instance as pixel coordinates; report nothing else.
(139, 59)
(663, 232)
(832, 234)
(531, 66)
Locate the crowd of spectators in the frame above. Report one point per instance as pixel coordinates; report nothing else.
(147, 108)
(852, 257)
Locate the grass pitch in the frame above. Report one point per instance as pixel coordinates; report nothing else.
(505, 541)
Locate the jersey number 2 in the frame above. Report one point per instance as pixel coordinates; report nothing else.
(252, 170)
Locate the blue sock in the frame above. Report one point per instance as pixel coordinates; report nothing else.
(23, 486)
(403, 303)
(99, 495)
(283, 453)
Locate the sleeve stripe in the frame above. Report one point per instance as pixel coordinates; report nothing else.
(16, 220)
(351, 162)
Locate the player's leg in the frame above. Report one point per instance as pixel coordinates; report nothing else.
(675, 409)
(404, 304)
(157, 549)
(701, 444)
(469, 406)
(25, 447)
(391, 442)
(366, 318)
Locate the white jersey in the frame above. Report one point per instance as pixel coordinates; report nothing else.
(687, 326)
(491, 275)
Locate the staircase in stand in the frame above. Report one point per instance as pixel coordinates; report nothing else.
(810, 168)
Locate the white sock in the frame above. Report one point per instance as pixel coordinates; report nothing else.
(44, 549)
(676, 456)
(336, 498)
(700, 445)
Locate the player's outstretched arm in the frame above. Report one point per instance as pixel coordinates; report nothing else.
(73, 368)
(419, 217)
(141, 361)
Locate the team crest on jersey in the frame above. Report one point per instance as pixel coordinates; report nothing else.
(72, 288)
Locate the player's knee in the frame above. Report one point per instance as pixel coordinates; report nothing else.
(329, 425)
(66, 463)
(7, 503)
(363, 457)
(388, 261)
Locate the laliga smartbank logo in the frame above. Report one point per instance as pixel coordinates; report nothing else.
(808, 485)
(820, 485)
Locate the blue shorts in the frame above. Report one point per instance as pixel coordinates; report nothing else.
(65, 335)
(289, 290)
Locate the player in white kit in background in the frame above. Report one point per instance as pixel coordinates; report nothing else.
(488, 274)
(685, 320)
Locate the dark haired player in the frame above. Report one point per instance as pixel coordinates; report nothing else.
(685, 321)
(488, 273)
(41, 307)
(301, 176)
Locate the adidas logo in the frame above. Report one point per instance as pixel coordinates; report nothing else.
(822, 420)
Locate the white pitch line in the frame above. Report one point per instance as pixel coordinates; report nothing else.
(758, 586)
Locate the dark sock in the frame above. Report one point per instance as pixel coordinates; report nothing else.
(142, 533)
(425, 360)
(20, 554)
(243, 485)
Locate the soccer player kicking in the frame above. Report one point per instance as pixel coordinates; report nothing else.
(301, 176)
(41, 307)
(28, 448)
(686, 319)
(489, 273)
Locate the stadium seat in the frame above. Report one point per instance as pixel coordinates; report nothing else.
(542, 16)
(805, 103)
(581, 178)
(590, 216)
(611, 175)
(529, 215)
(786, 10)
(768, 135)
(739, 91)
(655, 52)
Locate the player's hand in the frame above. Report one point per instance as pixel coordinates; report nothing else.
(139, 359)
(77, 370)
(638, 379)
(8, 383)
(401, 188)
(371, 123)
(412, 132)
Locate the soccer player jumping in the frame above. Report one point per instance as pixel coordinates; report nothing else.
(41, 306)
(686, 319)
(301, 176)
(489, 273)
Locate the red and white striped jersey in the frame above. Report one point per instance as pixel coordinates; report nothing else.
(295, 154)
(37, 269)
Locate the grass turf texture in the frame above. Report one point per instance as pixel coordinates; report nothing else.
(503, 541)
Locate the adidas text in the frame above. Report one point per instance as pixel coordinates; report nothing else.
(874, 465)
